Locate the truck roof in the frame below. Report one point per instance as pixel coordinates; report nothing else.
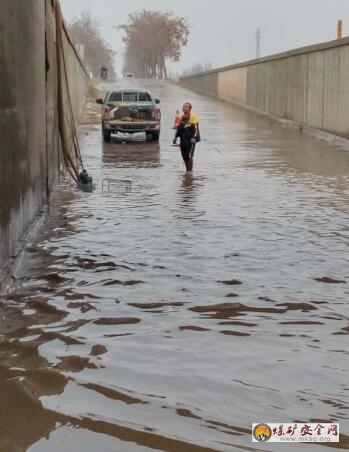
(129, 95)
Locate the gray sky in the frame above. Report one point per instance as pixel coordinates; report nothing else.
(223, 31)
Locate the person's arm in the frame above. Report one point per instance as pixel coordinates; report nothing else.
(177, 134)
(195, 126)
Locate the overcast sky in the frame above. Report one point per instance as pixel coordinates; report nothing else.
(223, 31)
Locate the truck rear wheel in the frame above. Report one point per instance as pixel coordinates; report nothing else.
(106, 134)
(156, 136)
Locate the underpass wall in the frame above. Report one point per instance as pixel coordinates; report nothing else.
(30, 160)
(206, 83)
(78, 79)
(309, 85)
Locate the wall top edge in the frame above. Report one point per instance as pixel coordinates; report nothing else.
(277, 56)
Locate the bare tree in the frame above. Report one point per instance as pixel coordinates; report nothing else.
(152, 38)
(97, 53)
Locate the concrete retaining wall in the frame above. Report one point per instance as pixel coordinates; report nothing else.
(205, 83)
(308, 85)
(78, 79)
(29, 140)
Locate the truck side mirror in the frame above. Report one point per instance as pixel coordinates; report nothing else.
(157, 101)
(99, 101)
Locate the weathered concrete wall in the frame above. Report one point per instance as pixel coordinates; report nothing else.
(308, 85)
(233, 84)
(78, 79)
(52, 135)
(206, 83)
(29, 139)
(23, 169)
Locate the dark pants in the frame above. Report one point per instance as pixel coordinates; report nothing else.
(188, 156)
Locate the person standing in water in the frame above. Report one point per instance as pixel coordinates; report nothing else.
(189, 134)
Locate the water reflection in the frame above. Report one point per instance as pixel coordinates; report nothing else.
(188, 187)
(131, 151)
(291, 152)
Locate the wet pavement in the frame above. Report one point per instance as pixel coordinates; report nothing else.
(172, 314)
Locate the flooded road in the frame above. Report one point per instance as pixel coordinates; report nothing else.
(173, 315)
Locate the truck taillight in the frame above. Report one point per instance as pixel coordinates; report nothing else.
(106, 113)
(157, 114)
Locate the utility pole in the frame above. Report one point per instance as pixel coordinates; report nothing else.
(258, 43)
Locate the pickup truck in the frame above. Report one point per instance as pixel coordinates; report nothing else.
(130, 111)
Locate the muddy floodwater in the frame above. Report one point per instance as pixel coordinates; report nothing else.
(170, 312)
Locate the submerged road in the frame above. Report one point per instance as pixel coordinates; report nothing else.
(174, 315)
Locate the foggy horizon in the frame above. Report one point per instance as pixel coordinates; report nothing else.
(226, 34)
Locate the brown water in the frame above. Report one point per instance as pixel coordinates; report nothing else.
(173, 316)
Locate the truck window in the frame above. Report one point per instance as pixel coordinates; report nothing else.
(144, 97)
(106, 97)
(130, 96)
(116, 96)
